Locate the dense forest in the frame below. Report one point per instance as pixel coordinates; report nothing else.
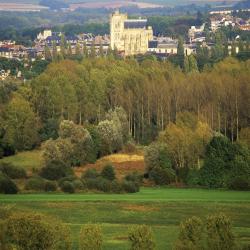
(113, 103)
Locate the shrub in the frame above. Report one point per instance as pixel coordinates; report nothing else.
(134, 177)
(190, 236)
(219, 232)
(35, 183)
(162, 176)
(193, 177)
(103, 185)
(141, 238)
(130, 187)
(34, 231)
(78, 184)
(129, 148)
(69, 178)
(92, 183)
(116, 187)
(12, 171)
(7, 186)
(50, 186)
(156, 156)
(68, 187)
(240, 183)
(55, 170)
(91, 237)
(108, 172)
(90, 174)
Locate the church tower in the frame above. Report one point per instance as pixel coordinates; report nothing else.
(116, 30)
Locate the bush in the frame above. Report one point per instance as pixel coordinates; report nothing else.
(35, 183)
(12, 171)
(116, 187)
(190, 236)
(7, 186)
(141, 238)
(103, 185)
(219, 233)
(50, 186)
(134, 177)
(68, 187)
(92, 183)
(78, 184)
(91, 237)
(130, 187)
(162, 176)
(90, 174)
(129, 148)
(34, 231)
(55, 170)
(108, 172)
(193, 177)
(69, 178)
(240, 183)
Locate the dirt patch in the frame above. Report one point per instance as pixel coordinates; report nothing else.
(139, 208)
(60, 205)
(122, 163)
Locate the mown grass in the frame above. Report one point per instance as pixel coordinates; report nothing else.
(161, 208)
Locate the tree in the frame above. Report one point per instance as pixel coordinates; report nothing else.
(190, 235)
(111, 137)
(55, 170)
(93, 50)
(47, 53)
(31, 231)
(108, 172)
(21, 124)
(90, 237)
(58, 150)
(54, 51)
(141, 237)
(219, 233)
(180, 52)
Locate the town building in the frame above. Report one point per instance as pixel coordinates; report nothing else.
(129, 36)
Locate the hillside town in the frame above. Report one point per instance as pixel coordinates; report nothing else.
(129, 37)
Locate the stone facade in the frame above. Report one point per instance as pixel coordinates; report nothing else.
(129, 36)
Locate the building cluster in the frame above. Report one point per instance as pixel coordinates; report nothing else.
(127, 36)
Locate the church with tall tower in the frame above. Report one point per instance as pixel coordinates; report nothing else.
(129, 36)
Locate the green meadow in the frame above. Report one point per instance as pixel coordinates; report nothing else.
(161, 208)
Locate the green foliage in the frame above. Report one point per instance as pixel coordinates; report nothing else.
(226, 164)
(219, 233)
(55, 170)
(35, 183)
(134, 177)
(50, 186)
(162, 176)
(30, 231)
(108, 172)
(158, 164)
(91, 237)
(7, 186)
(141, 237)
(12, 171)
(68, 187)
(215, 233)
(21, 124)
(130, 186)
(91, 173)
(190, 235)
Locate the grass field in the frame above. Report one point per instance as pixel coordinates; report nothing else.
(28, 159)
(161, 208)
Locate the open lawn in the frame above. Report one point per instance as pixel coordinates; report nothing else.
(162, 208)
